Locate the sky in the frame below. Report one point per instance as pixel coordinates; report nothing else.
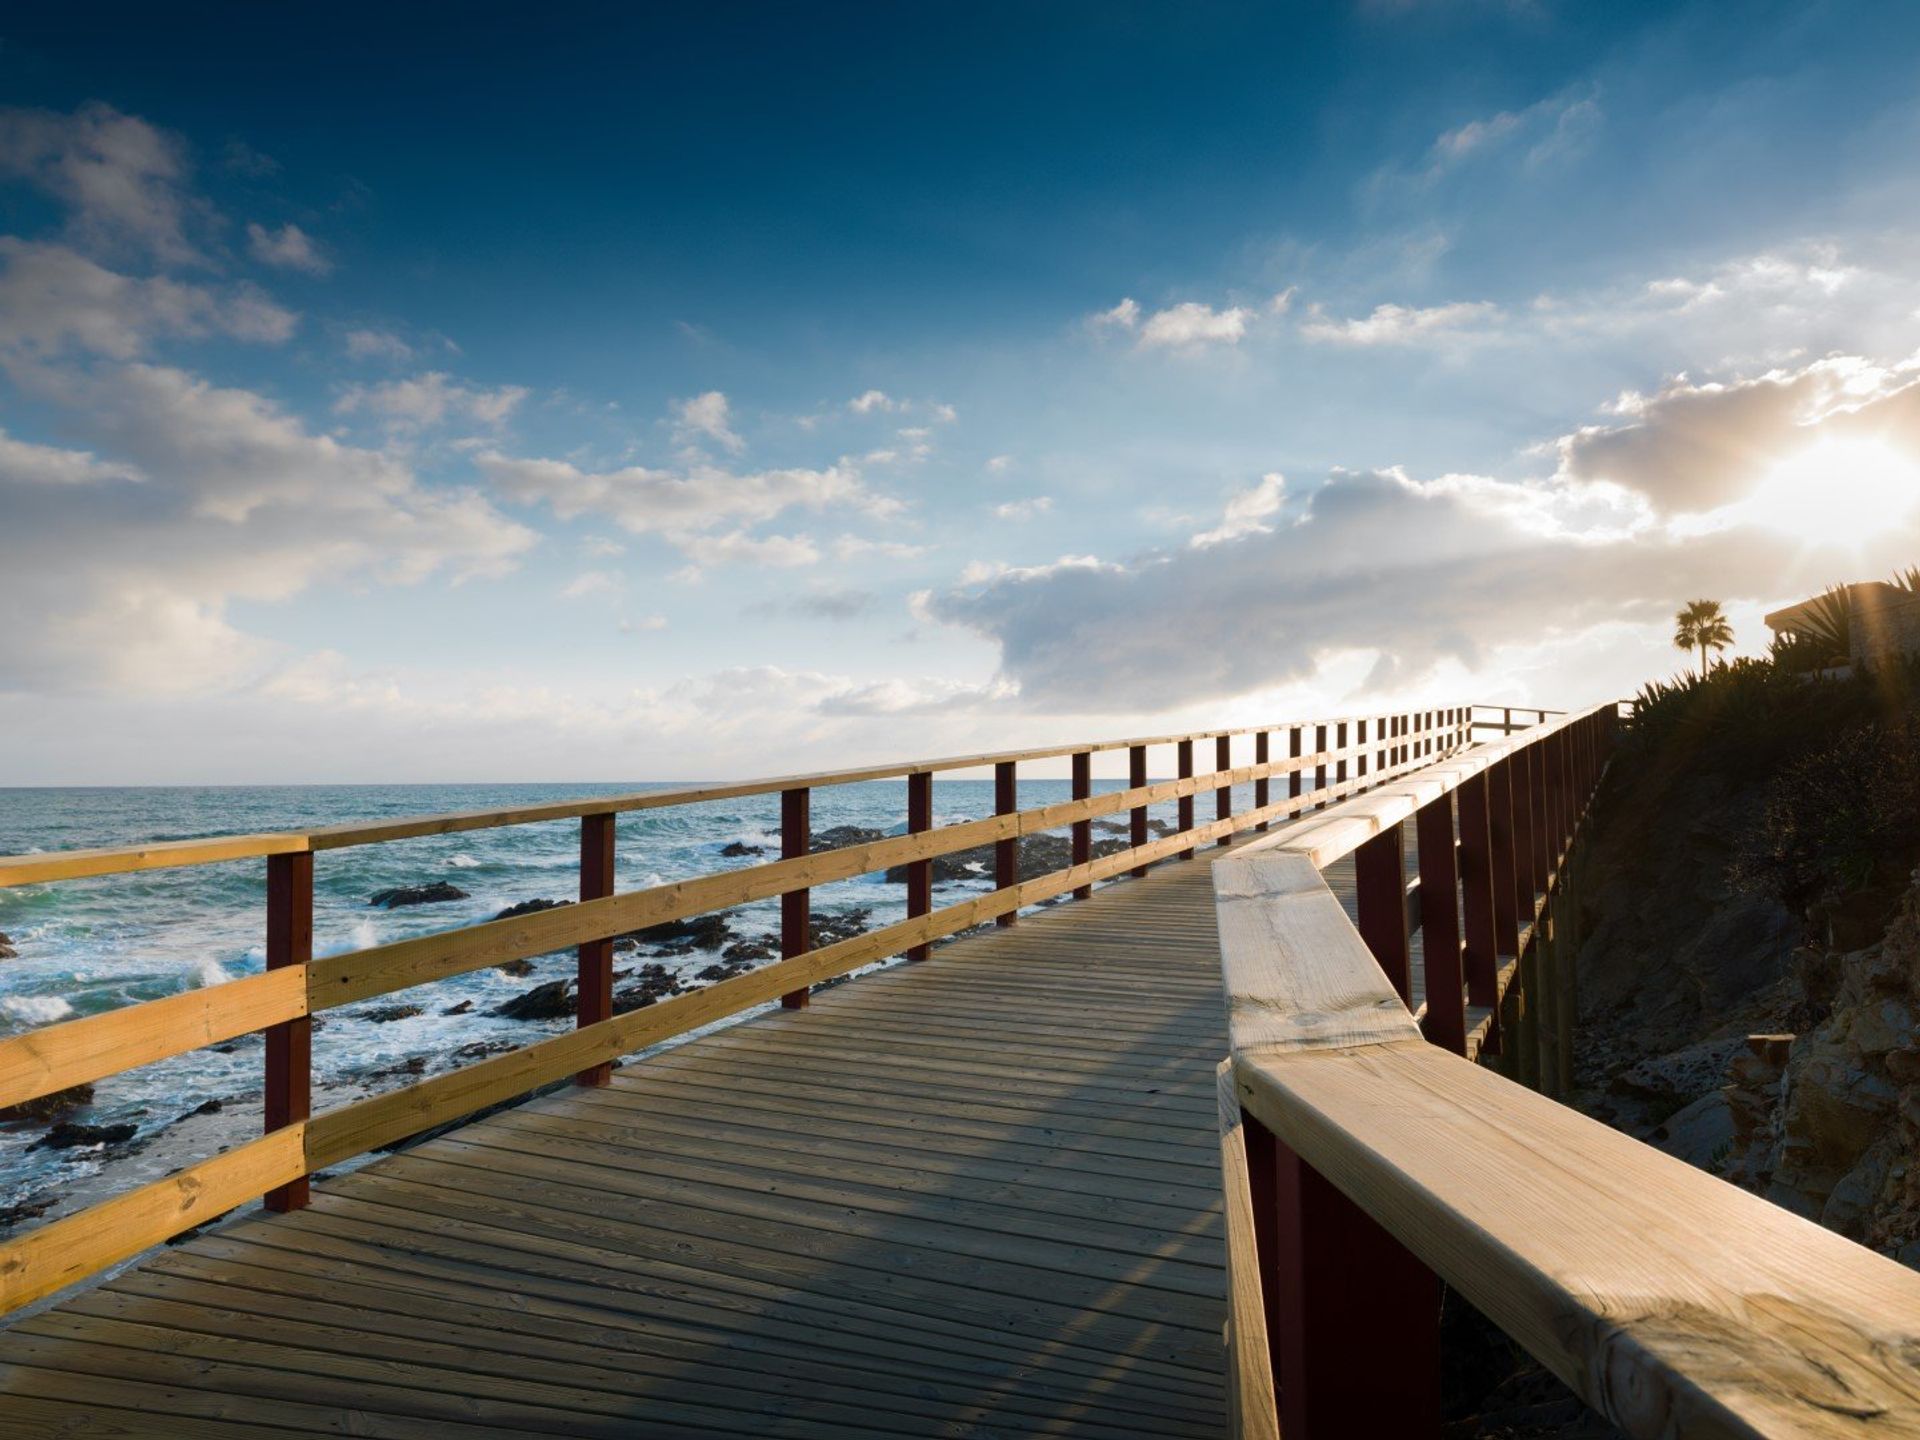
(626, 392)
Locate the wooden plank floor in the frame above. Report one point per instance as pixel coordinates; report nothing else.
(977, 1196)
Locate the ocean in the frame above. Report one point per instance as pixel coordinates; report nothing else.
(86, 946)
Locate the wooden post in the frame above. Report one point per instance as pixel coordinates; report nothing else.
(1006, 853)
(594, 1001)
(1223, 796)
(1296, 782)
(1137, 777)
(1320, 769)
(1184, 753)
(1446, 1019)
(919, 872)
(1506, 894)
(1380, 887)
(1479, 895)
(1506, 727)
(1353, 1319)
(289, 1059)
(796, 906)
(1261, 789)
(1360, 739)
(1082, 829)
(1340, 744)
(1547, 978)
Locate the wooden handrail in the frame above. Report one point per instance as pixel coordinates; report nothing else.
(280, 1001)
(1672, 1302)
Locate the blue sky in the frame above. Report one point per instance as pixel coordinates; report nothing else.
(630, 393)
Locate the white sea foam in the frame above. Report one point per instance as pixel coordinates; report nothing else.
(463, 861)
(35, 1009)
(203, 973)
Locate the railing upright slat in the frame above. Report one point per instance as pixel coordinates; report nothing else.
(1082, 829)
(919, 872)
(1006, 853)
(1261, 787)
(1223, 795)
(1446, 1020)
(1137, 825)
(289, 1045)
(1184, 754)
(1380, 892)
(1482, 954)
(796, 906)
(593, 1000)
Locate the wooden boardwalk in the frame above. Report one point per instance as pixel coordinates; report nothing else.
(976, 1196)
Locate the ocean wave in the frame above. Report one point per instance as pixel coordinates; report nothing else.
(463, 861)
(203, 974)
(35, 1009)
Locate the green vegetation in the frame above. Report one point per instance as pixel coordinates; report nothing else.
(1702, 626)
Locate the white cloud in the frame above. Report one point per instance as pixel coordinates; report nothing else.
(431, 399)
(854, 547)
(678, 506)
(1190, 325)
(644, 625)
(1558, 128)
(377, 345)
(1404, 325)
(943, 413)
(121, 179)
(24, 463)
(128, 586)
(999, 464)
(1124, 316)
(1283, 302)
(1024, 509)
(869, 401)
(706, 415)
(589, 583)
(288, 248)
(1247, 512)
(736, 547)
(54, 300)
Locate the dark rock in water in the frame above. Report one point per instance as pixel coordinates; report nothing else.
(827, 928)
(412, 1065)
(733, 849)
(839, 837)
(49, 1107)
(1155, 826)
(7, 952)
(530, 907)
(12, 1215)
(66, 1135)
(207, 1107)
(682, 937)
(515, 969)
(655, 983)
(551, 1001)
(725, 970)
(386, 1014)
(747, 951)
(434, 894)
(632, 999)
(481, 1049)
(462, 1008)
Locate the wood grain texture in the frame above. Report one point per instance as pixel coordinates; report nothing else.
(1251, 1409)
(56, 1254)
(74, 1052)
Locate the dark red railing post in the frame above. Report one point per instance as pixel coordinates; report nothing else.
(1223, 795)
(1478, 896)
(1341, 1295)
(1541, 819)
(289, 1058)
(919, 872)
(1184, 753)
(594, 998)
(796, 906)
(1006, 853)
(1446, 1020)
(1340, 745)
(1261, 788)
(1136, 778)
(1296, 780)
(1082, 829)
(1502, 849)
(1320, 768)
(1360, 741)
(1380, 891)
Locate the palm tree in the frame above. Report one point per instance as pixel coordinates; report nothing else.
(1701, 626)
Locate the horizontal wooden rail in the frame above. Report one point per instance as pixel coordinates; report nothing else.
(281, 1000)
(112, 860)
(1672, 1302)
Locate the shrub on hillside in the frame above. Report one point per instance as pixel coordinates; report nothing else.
(1840, 819)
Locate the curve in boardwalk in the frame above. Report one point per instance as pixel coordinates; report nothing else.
(974, 1196)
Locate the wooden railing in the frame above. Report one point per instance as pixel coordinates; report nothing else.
(1338, 757)
(1366, 1159)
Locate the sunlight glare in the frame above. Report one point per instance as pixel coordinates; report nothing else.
(1836, 492)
